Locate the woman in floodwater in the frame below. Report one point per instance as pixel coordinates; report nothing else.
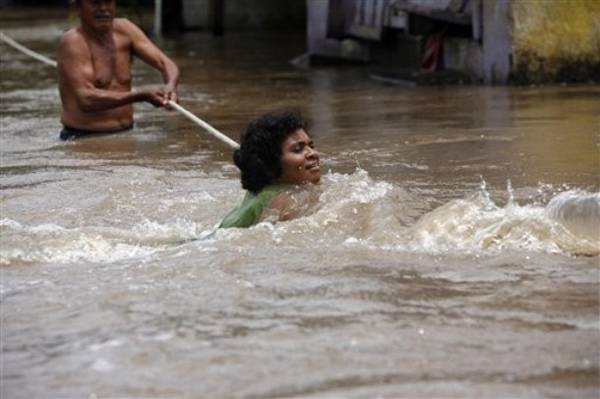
(275, 152)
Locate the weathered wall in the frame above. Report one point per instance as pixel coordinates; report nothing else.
(556, 40)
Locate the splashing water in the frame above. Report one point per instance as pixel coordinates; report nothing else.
(408, 280)
(477, 224)
(352, 210)
(374, 213)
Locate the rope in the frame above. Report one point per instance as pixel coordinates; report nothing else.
(209, 129)
(25, 50)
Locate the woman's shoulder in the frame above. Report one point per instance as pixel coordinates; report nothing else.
(280, 201)
(250, 210)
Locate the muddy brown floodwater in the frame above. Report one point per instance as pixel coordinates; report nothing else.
(450, 251)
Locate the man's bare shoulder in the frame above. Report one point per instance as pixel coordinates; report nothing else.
(72, 42)
(123, 25)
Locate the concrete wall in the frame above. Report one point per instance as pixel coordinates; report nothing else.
(247, 14)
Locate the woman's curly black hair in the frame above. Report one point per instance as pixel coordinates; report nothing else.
(259, 155)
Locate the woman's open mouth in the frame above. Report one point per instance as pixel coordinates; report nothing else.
(313, 167)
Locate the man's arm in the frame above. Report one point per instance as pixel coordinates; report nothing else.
(76, 73)
(151, 55)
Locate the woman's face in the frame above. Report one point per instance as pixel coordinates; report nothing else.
(299, 160)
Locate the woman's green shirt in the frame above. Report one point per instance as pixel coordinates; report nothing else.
(251, 208)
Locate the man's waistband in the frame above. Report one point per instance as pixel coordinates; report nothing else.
(72, 133)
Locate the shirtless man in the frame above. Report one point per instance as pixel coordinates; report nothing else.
(94, 67)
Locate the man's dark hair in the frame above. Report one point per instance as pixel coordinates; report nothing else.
(259, 155)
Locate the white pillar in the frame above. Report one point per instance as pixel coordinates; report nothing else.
(497, 42)
(158, 17)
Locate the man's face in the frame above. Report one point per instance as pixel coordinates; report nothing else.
(97, 14)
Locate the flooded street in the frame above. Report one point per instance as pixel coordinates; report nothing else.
(451, 250)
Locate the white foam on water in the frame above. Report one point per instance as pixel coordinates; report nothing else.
(113, 343)
(354, 211)
(102, 365)
(347, 210)
(579, 211)
(83, 248)
(56, 244)
(477, 224)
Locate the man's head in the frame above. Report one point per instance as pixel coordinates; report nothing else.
(97, 15)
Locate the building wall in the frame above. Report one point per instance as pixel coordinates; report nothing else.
(247, 14)
(195, 14)
(556, 40)
(320, 45)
